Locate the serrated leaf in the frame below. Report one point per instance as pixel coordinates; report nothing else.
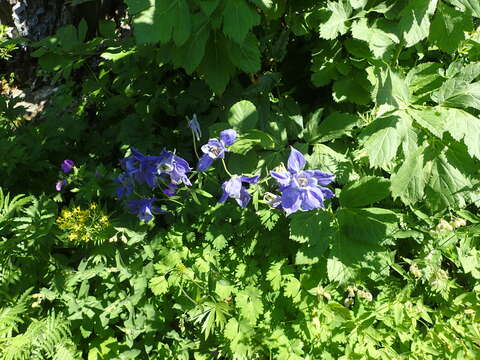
(457, 92)
(446, 185)
(243, 115)
(390, 89)
(190, 55)
(472, 6)
(326, 159)
(365, 227)
(366, 191)
(408, 182)
(274, 274)
(380, 42)
(311, 227)
(464, 126)
(448, 28)
(414, 22)
(432, 119)
(238, 19)
(384, 136)
(291, 288)
(163, 21)
(340, 11)
(423, 79)
(245, 56)
(216, 66)
(250, 304)
(334, 126)
(159, 285)
(355, 88)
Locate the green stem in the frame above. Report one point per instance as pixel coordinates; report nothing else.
(225, 167)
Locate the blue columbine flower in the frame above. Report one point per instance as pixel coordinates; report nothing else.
(144, 208)
(170, 190)
(60, 184)
(67, 165)
(195, 126)
(234, 189)
(215, 148)
(140, 167)
(126, 185)
(300, 188)
(173, 166)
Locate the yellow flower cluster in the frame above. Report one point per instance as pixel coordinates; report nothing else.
(85, 225)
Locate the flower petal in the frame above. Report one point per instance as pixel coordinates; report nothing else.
(244, 198)
(204, 163)
(282, 178)
(290, 200)
(233, 186)
(296, 161)
(312, 199)
(250, 179)
(327, 193)
(228, 136)
(323, 178)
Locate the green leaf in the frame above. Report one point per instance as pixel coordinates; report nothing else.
(159, 285)
(324, 63)
(423, 79)
(366, 227)
(384, 136)
(335, 126)
(251, 139)
(216, 66)
(414, 23)
(430, 118)
(163, 21)
(250, 303)
(354, 88)
(238, 19)
(326, 159)
(457, 92)
(208, 6)
(190, 55)
(408, 182)
(135, 6)
(366, 191)
(473, 6)
(448, 28)
(380, 42)
(311, 226)
(464, 126)
(335, 25)
(390, 89)
(245, 56)
(446, 186)
(243, 115)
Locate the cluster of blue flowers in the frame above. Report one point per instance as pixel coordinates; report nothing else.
(299, 189)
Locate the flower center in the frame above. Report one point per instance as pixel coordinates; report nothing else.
(302, 180)
(165, 167)
(215, 150)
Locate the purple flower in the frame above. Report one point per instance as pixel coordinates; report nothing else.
(300, 188)
(215, 148)
(143, 208)
(195, 126)
(140, 167)
(170, 190)
(234, 189)
(173, 166)
(67, 165)
(60, 184)
(126, 185)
